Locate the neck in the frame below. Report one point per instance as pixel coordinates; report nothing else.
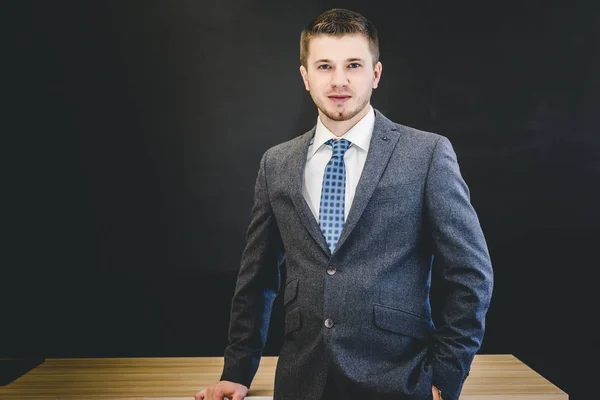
(339, 128)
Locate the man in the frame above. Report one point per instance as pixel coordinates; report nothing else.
(367, 213)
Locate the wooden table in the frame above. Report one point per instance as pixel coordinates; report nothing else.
(492, 377)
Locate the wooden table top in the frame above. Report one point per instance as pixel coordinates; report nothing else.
(492, 377)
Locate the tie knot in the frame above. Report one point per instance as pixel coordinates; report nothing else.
(339, 146)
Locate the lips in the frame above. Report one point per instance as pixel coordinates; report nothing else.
(339, 98)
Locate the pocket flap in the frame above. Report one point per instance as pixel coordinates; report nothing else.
(290, 291)
(395, 320)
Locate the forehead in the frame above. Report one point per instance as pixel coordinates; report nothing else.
(338, 48)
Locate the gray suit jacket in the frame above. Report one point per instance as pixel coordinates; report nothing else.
(411, 219)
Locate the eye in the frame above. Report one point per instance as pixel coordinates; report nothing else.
(355, 65)
(323, 66)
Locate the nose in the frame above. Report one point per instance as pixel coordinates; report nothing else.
(339, 78)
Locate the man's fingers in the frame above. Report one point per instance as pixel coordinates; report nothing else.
(215, 394)
(223, 390)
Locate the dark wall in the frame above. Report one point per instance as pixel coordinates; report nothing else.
(133, 132)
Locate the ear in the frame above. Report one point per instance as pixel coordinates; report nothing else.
(304, 74)
(377, 74)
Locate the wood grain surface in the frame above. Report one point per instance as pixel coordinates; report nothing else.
(492, 377)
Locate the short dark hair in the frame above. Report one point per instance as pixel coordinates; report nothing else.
(339, 22)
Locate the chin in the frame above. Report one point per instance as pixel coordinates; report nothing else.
(341, 115)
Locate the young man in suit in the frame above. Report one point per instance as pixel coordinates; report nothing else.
(367, 213)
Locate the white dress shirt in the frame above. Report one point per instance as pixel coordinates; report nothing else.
(319, 155)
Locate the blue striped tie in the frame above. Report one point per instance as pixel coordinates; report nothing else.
(333, 194)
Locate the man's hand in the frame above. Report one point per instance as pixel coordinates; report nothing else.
(231, 390)
(436, 393)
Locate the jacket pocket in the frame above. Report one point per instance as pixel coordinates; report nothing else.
(399, 321)
(290, 291)
(292, 320)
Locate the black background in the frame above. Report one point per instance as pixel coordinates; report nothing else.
(132, 134)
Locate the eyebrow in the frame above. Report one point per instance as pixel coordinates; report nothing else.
(324, 60)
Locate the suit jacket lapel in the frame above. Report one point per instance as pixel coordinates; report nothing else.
(383, 141)
(298, 163)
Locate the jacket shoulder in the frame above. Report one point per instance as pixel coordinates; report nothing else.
(283, 150)
(413, 136)
(419, 135)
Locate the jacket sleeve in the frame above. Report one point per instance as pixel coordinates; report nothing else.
(257, 285)
(463, 268)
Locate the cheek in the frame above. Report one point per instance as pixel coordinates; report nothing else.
(362, 86)
(317, 87)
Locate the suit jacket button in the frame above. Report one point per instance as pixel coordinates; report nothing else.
(331, 270)
(328, 323)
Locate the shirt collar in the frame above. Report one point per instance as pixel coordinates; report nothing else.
(359, 135)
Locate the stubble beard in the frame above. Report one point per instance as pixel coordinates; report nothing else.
(336, 114)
